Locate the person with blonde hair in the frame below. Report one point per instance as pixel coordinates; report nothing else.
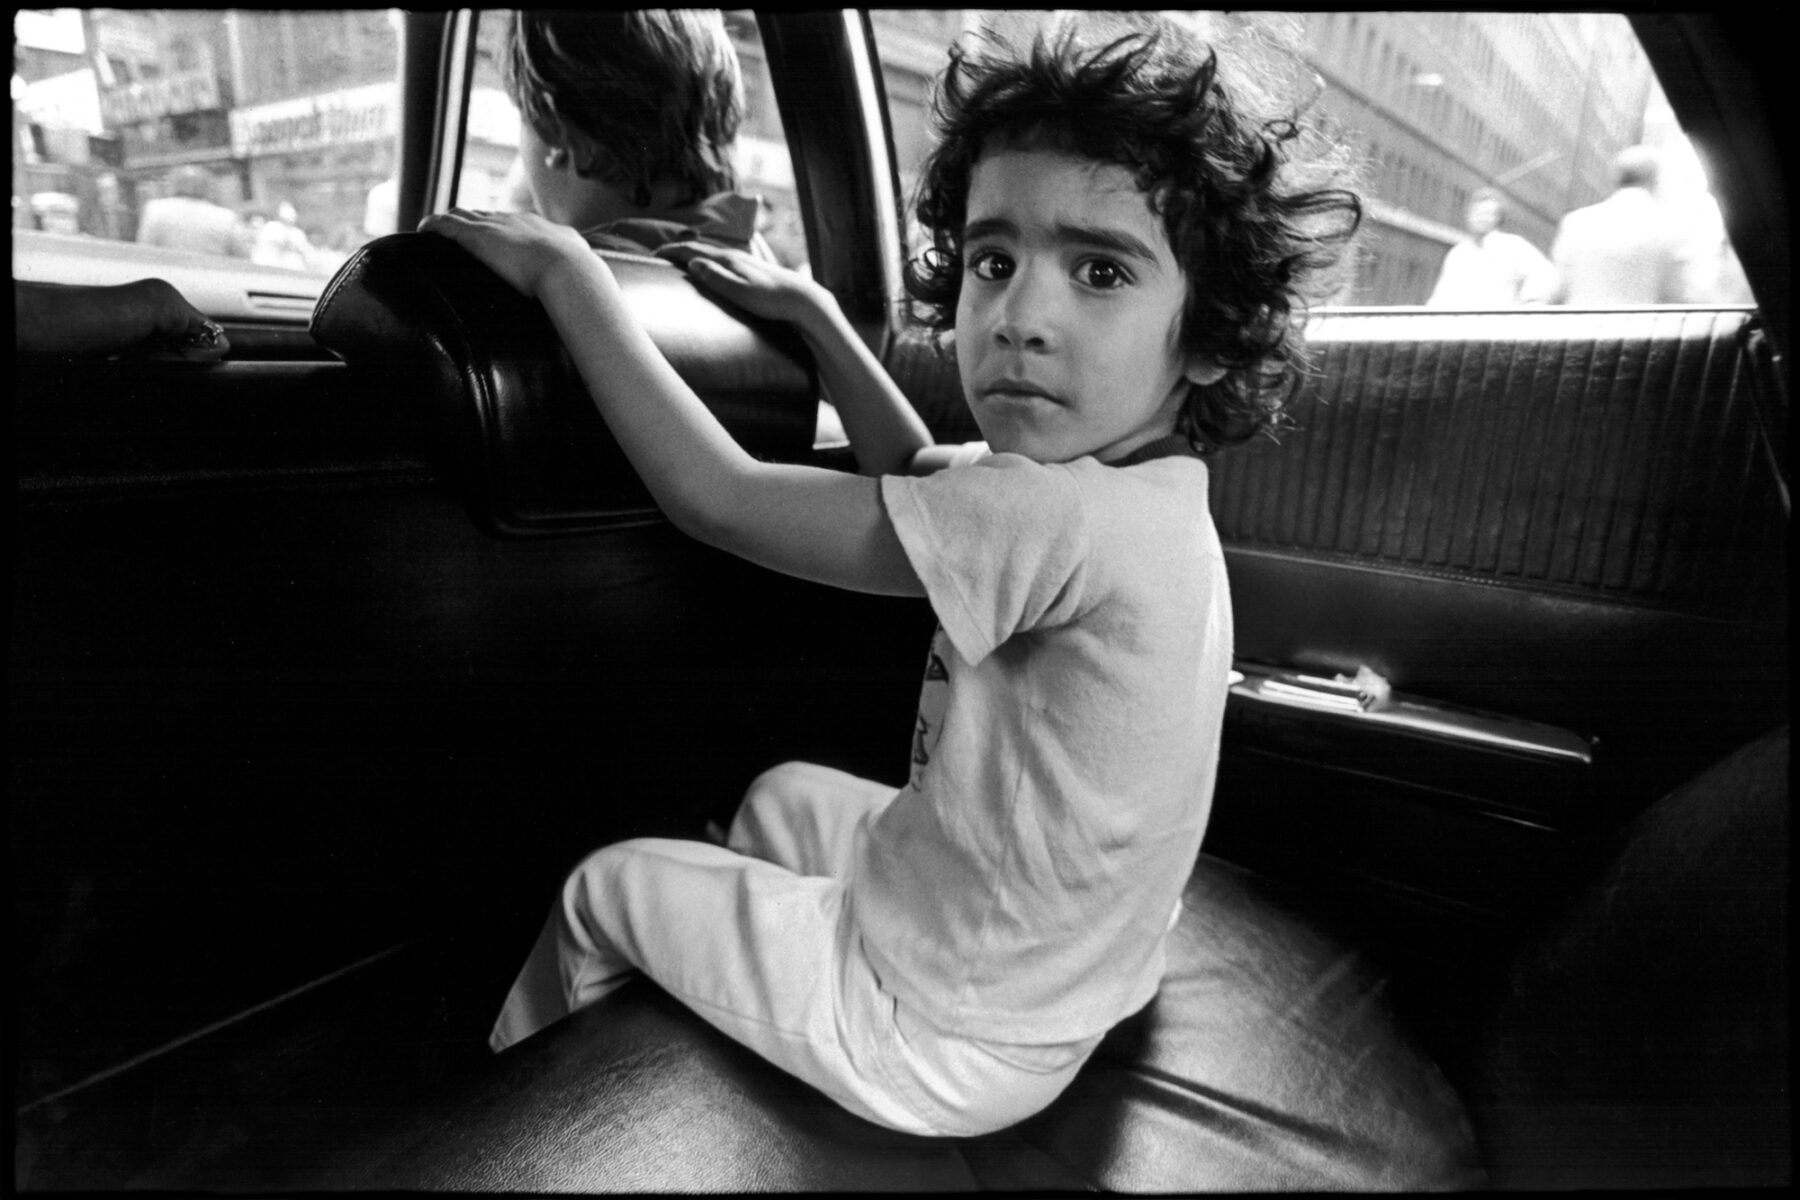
(628, 124)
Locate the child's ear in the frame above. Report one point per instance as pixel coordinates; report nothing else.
(1202, 370)
(585, 151)
(552, 133)
(569, 146)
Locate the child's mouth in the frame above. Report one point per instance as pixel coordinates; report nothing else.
(1017, 392)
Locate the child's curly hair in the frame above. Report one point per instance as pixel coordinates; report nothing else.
(1254, 238)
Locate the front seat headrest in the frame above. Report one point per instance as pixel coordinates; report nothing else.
(510, 422)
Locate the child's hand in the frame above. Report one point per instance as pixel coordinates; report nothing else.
(749, 282)
(521, 248)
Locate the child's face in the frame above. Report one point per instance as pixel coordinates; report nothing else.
(1067, 326)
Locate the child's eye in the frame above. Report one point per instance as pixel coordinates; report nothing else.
(991, 265)
(1102, 274)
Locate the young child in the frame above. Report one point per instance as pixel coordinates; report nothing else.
(1120, 257)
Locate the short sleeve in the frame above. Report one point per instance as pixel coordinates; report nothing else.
(999, 546)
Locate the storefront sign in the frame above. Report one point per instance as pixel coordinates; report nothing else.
(68, 101)
(148, 99)
(363, 114)
(57, 29)
(203, 136)
(126, 36)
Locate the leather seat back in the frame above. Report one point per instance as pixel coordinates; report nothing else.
(512, 426)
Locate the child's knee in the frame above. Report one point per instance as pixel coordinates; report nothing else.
(587, 887)
(782, 779)
(769, 795)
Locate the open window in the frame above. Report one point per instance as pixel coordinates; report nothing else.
(1471, 127)
(242, 154)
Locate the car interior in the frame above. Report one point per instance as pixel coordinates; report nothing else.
(328, 662)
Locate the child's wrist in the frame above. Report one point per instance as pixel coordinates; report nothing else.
(572, 267)
(820, 317)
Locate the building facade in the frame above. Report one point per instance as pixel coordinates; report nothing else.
(1442, 103)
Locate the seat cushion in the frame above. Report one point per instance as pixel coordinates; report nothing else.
(1269, 1060)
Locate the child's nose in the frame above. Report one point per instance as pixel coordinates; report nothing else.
(1025, 320)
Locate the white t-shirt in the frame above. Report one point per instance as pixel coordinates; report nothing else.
(1021, 886)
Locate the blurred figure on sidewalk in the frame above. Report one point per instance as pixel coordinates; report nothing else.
(1491, 268)
(1710, 267)
(281, 242)
(190, 220)
(1629, 249)
(381, 211)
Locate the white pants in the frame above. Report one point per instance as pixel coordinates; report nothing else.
(756, 938)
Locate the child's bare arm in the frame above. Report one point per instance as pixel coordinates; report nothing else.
(935, 458)
(817, 524)
(885, 432)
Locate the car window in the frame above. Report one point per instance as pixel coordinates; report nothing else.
(493, 178)
(264, 137)
(1502, 125)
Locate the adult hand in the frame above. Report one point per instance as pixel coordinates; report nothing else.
(148, 316)
(749, 282)
(521, 248)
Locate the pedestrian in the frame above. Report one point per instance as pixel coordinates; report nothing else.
(190, 220)
(1627, 250)
(1491, 268)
